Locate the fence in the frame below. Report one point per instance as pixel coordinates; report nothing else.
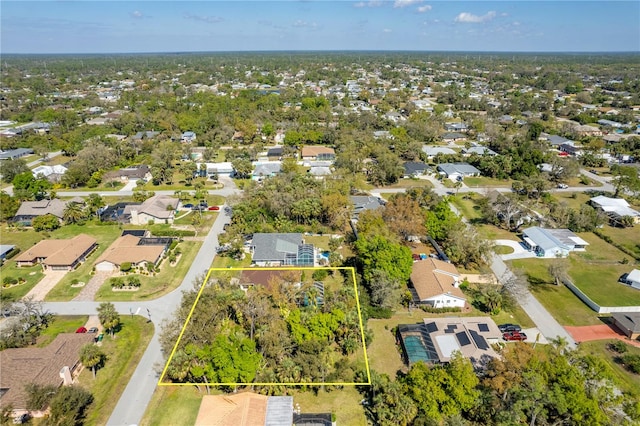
(593, 305)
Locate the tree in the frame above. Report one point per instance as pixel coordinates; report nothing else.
(379, 253)
(47, 222)
(558, 270)
(8, 206)
(404, 216)
(69, 405)
(10, 168)
(94, 203)
(39, 396)
(242, 167)
(625, 179)
(92, 357)
(383, 291)
(73, 213)
(108, 316)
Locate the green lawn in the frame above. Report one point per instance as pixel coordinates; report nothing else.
(61, 324)
(168, 279)
(492, 232)
(467, 206)
(481, 181)
(32, 276)
(503, 250)
(563, 305)
(573, 200)
(411, 183)
(626, 237)
(123, 355)
(345, 403)
(173, 405)
(627, 381)
(229, 262)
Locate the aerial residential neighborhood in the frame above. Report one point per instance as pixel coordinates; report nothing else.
(320, 238)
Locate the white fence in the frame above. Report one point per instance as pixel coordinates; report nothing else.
(593, 305)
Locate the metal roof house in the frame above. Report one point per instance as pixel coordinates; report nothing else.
(551, 243)
(281, 250)
(628, 323)
(12, 154)
(458, 171)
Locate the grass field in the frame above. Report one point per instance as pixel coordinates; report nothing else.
(503, 250)
(573, 200)
(411, 183)
(628, 238)
(492, 232)
(467, 206)
(563, 305)
(627, 381)
(173, 405)
(345, 403)
(123, 355)
(60, 324)
(31, 274)
(481, 181)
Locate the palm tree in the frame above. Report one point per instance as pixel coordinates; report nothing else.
(73, 213)
(91, 356)
(94, 203)
(108, 316)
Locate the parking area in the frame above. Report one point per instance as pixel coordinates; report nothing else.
(519, 251)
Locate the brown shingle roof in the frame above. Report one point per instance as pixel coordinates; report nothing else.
(267, 277)
(126, 249)
(242, 409)
(314, 151)
(38, 365)
(156, 206)
(432, 277)
(58, 252)
(40, 208)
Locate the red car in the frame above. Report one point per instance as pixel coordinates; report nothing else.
(514, 336)
(214, 208)
(81, 330)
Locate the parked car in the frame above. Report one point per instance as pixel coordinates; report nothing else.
(187, 206)
(563, 186)
(509, 327)
(594, 171)
(81, 330)
(93, 330)
(21, 419)
(214, 208)
(514, 336)
(200, 208)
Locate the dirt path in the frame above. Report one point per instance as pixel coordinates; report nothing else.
(51, 278)
(89, 291)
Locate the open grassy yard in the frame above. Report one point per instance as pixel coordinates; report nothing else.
(411, 183)
(626, 237)
(627, 381)
(123, 355)
(32, 275)
(492, 232)
(466, 204)
(481, 182)
(152, 287)
(558, 300)
(229, 262)
(573, 200)
(345, 403)
(173, 405)
(60, 324)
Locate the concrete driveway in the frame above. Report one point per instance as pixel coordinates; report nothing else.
(519, 252)
(49, 281)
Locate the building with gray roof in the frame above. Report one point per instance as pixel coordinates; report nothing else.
(458, 171)
(552, 243)
(276, 249)
(12, 154)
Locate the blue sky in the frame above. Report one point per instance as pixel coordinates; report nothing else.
(168, 26)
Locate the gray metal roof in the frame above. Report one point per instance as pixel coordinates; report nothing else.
(15, 153)
(274, 247)
(461, 168)
(548, 239)
(279, 411)
(630, 320)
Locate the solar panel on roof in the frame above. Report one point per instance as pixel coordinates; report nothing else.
(483, 327)
(463, 339)
(480, 342)
(431, 327)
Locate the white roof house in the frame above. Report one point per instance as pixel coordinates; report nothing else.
(633, 278)
(551, 243)
(47, 171)
(432, 151)
(615, 208)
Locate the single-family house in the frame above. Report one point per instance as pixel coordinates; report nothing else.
(628, 323)
(586, 130)
(319, 172)
(435, 340)
(555, 140)
(265, 170)
(382, 134)
(432, 151)
(246, 409)
(505, 119)
(552, 243)
(269, 278)
(275, 249)
(451, 137)
(456, 127)
(188, 137)
(58, 255)
(145, 135)
(138, 251)
(5, 249)
(275, 153)
(571, 148)
(224, 168)
(479, 150)
(615, 208)
(56, 364)
(458, 171)
(320, 153)
(414, 169)
(159, 209)
(436, 283)
(394, 117)
(29, 210)
(365, 202)
(633, 278)
(133, 173)
(52, 173)
(12, 154)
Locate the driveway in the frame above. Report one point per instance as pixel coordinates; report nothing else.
(49, 281)
(519, 252)
(130, 186)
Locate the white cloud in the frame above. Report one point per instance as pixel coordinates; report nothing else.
(137, 14)
(304, 24)
(466, 17)
(398, 4)
(423, 9)
(204, 18)
(370, 3)
(386, 30)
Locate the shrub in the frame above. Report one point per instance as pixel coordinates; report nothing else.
(432, 310)
(133, 281)
(173, 245)
(632, 363)
(74, 281)
(125, 267)
(618, 346)
(9, 281)
(117, 282)
(377, 312)
(320, 275)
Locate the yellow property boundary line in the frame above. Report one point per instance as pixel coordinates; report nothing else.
(206, 280)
